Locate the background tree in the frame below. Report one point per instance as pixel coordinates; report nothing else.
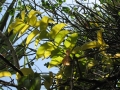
(97, 23)
(85, 49)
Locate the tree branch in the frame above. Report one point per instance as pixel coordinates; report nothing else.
(15, 58)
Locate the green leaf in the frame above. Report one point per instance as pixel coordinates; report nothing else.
(47, 85)
(10, 27)
(15, 24)
(5, 74)
(90, 64)
(66, 9)
(46, 4)
(99, 36)
(119, 13)
(59, 75)
(23, 15)
(32, 13)
(37, 40)
(71, 41)
(102, 1)
(45, 50)
(57, 52)
(48, 80)
(18, 28)
(90, 45)
(32, 21)
(23, 30)
(60, 37)
(24, 82)
(76, 49)
(42, 35)
(25, 71)
(37, 24)
(56, 60)
(30, 82)
(44, 23)
(54, 31)
(36, 82)
(31, 36)
(19, 3)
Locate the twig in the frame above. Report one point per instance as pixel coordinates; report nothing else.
(7, 83)
(90, 54)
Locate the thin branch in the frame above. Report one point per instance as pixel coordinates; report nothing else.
(93, 53)
(78, 67)
(11, 65)
(7, 83)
